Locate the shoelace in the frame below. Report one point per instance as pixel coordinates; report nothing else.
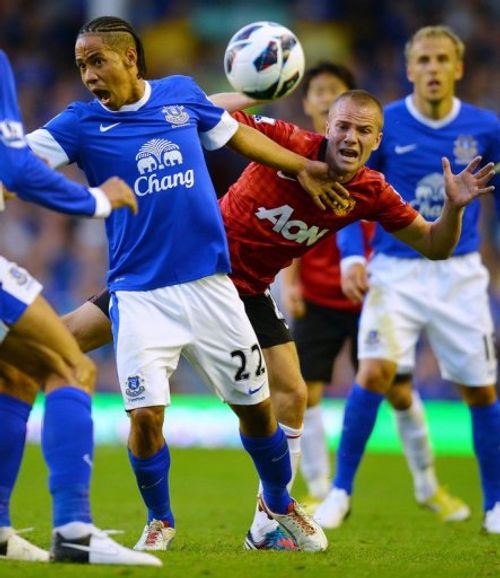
(153, 532)
(298, 516)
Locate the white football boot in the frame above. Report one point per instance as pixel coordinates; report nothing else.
(491, 522)
(301, 527)
(15, 547)
(155, 536)
(97, 547)
(334, 509)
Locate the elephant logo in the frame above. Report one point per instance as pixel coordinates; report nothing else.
(429, 196)
(158, 154)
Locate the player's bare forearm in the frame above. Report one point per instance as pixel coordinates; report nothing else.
(258, 147)
(313, 176)
(233, 101)
(435, 240)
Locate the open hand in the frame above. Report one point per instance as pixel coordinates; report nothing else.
(324, 191)
(463, 188)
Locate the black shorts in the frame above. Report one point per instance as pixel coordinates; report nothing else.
(320, 335)
(266, 319)
(101, 300)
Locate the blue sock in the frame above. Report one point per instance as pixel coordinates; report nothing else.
(486, 434)
(152, 479)
(14, 414)
(67, 445)
(360, 415)
(272, 460)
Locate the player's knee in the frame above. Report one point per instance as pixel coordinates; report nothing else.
(17, 384)
(147, 424)
(86, 373)
(376, 375)
(479, 396)
(314, 393)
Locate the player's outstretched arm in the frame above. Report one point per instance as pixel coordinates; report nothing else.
(437, 240)
(233, 101)
(313, 176)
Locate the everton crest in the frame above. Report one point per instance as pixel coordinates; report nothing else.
(465, 149)
(175, 114)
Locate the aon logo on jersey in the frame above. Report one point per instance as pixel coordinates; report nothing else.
(291, 229)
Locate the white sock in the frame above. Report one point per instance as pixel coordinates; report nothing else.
(74, 530)
(261, 524)
(415, 439)
(294, 439)
(315, 465)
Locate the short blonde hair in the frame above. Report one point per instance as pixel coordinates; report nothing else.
(435, 32)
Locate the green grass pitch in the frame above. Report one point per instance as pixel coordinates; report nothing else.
(213, 493)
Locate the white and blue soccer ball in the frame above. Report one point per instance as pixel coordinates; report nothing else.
(264, 60)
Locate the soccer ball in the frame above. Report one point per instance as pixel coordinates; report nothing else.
(264, 60)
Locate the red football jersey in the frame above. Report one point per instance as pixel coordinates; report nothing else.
(319, 272)
(270, 219)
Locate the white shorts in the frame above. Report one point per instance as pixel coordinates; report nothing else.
(18, 290)
(446, 299)
(205, 321)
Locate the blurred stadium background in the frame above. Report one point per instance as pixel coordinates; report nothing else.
(189, 37)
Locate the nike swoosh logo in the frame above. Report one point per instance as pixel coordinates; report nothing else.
(153, 485)
(402, 149)
(280, 457)
(105, 128)
(282, 175)
(109, 551)
(252, 391)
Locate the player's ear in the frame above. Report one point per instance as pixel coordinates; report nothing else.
(459, 70)
(130, 56)
(378, 141)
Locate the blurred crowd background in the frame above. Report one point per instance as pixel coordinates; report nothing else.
(189, 36)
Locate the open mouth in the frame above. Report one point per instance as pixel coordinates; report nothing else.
(348, 153)
(434, 84)
(103, 96)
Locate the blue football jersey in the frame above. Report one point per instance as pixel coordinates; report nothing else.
(25, 174)
(410, 157)
(155, 145)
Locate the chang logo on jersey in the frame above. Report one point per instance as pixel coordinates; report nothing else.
(465, 148)
(175, 114)
(12, 134)
(153, 161)
(291, 229)
(429, 196)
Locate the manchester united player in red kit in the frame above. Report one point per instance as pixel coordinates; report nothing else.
(269, 221)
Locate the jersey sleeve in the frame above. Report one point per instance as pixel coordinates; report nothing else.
(277, 130)
(57, 141)
(25, 174)
(392, 212)
(215, 125)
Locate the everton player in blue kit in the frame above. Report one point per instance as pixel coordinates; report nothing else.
(168, 268)
(408, 295)
(33, 338)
